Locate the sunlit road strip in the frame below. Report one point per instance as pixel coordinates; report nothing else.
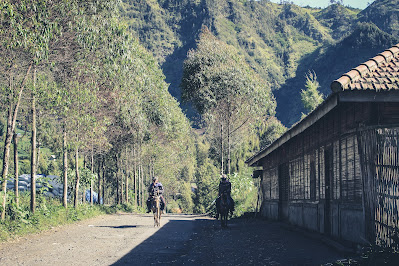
(102, 241)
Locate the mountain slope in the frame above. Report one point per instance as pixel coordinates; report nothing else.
(384, 14)
(280, 42)
(329, 63)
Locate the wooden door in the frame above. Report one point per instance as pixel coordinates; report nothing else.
(328, 173)
(283, 178)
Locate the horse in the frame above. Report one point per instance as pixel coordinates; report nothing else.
(156, 208)
(224, 209)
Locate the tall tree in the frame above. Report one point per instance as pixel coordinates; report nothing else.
(224, 89)
(27, 28)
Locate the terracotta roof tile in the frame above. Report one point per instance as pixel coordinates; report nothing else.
(362, 69)
(379, 59)
(371, 65)
(379, 73)
(394, 50)
(387, 55)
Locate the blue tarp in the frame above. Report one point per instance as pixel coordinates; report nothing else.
(95, 197)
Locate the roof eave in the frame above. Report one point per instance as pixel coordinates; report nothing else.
(295, 130)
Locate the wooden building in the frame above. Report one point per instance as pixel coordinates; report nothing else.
(336, 171)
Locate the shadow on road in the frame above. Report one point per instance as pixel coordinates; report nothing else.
(118, 227)
(202, 241)
(164, 246)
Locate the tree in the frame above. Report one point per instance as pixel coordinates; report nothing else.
(225, 90)
(311, 97)
(26, 30)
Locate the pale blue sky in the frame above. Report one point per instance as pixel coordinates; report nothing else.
(362, 4)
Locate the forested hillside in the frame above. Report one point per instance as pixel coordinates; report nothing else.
(280, 42)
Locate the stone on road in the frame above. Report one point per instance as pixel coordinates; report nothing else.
(131, 239)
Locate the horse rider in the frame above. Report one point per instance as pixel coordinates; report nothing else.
(224, 187)
(155, 186)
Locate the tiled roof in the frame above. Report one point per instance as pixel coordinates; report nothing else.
(380, 73)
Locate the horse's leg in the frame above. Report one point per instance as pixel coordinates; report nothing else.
(158, 212)
(159, 217)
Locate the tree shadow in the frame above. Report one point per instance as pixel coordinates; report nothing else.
(166, 246)
(119, 226)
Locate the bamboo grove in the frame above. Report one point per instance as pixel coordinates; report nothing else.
(75, 81)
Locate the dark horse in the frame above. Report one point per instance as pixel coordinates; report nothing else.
(225, 206)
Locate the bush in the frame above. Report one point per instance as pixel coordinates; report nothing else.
(49, 213)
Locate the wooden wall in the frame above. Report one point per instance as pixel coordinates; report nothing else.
(341, 212)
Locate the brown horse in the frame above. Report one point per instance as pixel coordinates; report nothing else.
(156, 209)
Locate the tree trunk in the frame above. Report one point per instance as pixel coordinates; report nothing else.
(38, 155)
(33, 149)
(135, 177)
(12, 118)
(122, 187)
(16, 168)
(117, 187)
(76, 198)
(228, 147)
(127, 188)
(127, 173)
(64, 170)
(139, 184)
(99, 181)
(5, 160)
(221, 148)
(142, 186)
(103, 190)
(91, 178)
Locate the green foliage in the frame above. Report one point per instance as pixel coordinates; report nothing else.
(311, 97)
(280, 42)
(269, 131)
(243, 192)
(50, 213)
(363, 42)
(384, 14)
(206, 179)
(337, 18)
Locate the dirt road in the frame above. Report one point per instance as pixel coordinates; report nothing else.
(128, 239)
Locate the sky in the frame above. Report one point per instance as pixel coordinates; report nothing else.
(362, 4)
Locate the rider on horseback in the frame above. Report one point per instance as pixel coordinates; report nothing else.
(224, 187)
(155, 186)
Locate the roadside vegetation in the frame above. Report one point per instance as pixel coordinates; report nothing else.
(50, 213)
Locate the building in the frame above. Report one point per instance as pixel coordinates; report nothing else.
(337, 170)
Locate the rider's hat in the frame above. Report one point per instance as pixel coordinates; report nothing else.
(223, 177)
(154, 178)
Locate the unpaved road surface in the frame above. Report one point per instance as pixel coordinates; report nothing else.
(131, 239)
